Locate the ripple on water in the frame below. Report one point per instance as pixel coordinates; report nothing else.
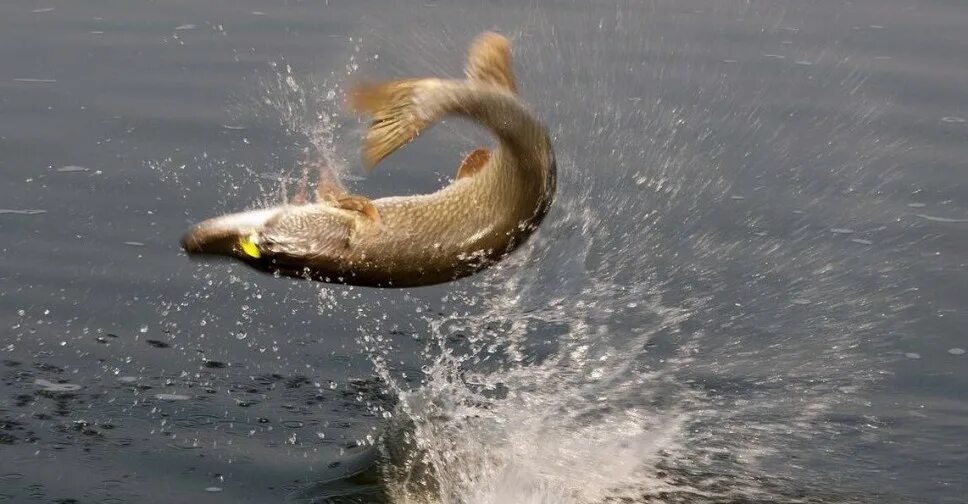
(28, 211)
(111, 484)
(72, 169)
(185, 445)
(195, 421)
(49, 386)
(934, 218)
(172, 397)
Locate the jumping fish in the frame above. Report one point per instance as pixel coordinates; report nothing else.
(497, 200)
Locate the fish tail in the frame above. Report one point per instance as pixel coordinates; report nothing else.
(489, 62)
(402, 109)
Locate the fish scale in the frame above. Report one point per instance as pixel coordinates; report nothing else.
(483, 215)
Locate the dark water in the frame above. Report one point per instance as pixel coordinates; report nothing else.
(751, 288)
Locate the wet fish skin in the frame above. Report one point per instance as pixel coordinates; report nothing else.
(498, 199)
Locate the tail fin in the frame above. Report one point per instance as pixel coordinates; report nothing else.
(401, 109)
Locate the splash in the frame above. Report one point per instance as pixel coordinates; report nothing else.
(687, 320)
(297, 121)
(527, 431)
(308, 109)
(674, 332)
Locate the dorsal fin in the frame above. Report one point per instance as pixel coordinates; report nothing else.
(489, 61)
(473, 162)
(328, 186)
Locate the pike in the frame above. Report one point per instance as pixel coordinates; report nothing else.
(496, 202)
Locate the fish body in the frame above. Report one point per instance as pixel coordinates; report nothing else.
(497, 200)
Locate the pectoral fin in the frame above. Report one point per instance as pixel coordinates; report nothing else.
(367, 224)
(360, 204)
(473, 162)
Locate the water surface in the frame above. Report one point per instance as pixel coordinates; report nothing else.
(751, 287)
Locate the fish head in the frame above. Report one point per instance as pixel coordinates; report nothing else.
(292, 240)
(231, 235)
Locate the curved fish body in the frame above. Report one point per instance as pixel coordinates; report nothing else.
(497, 200)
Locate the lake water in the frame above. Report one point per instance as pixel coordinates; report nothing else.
(751, 287)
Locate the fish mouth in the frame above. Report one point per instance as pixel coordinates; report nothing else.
(221, 236)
